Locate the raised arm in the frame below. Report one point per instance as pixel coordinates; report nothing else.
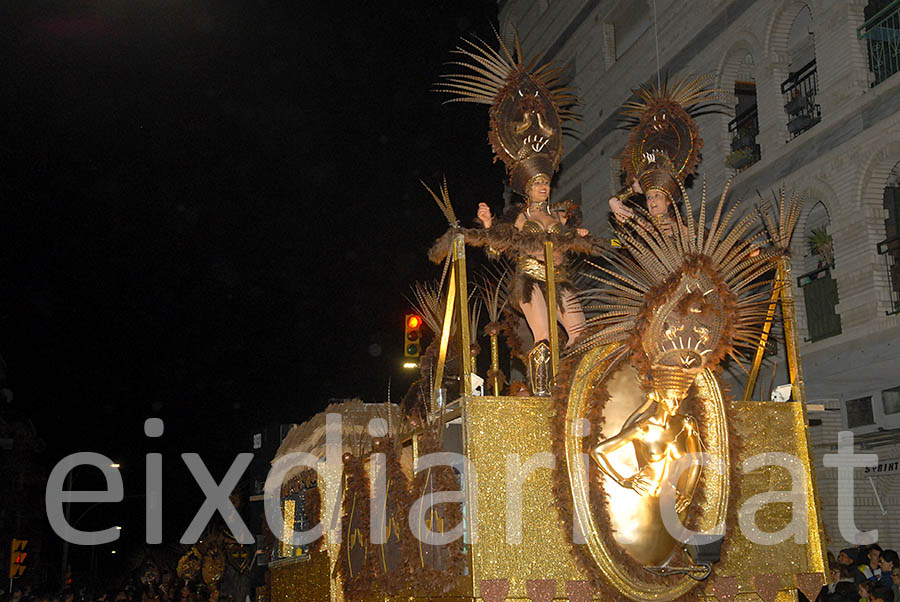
(484, 214)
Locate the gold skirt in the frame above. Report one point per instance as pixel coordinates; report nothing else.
(531, 271)
(536, 269)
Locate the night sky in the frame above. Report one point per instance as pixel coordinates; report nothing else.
(212, 211)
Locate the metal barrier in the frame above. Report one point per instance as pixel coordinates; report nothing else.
(882, 36)
(799, 91)
(744, 150)
(890, 248)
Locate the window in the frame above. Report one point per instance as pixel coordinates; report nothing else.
(859, 412)
(890, 400)
(820, 293)
(802, 85)
(890, 246)
(744, 127)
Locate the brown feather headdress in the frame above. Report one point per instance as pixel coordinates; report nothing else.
(665, 143)
(527, 107)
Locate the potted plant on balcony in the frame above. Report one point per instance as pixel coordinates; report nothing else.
(743, 138)
(820, 243)
(741, 158)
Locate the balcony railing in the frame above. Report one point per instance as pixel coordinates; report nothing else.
(820, 296)
(882, 36)
(799, 91)
(890, 248)
(744, 150)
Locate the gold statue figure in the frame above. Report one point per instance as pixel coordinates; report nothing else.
(660, 437)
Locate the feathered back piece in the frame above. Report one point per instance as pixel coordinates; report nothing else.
(527, 106)
(680, 303)
(665, 143)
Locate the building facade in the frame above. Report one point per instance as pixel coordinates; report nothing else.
(812, 89)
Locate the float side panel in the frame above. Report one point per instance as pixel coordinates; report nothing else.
(494, 428)
(771, 427)
(306, 580)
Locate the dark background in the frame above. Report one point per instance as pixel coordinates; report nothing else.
(212, 214)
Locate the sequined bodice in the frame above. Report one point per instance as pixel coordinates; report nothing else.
(533, 227)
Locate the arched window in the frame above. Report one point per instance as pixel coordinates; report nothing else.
(890, 246)
(802, 84)
(745, 126)
(820, 294)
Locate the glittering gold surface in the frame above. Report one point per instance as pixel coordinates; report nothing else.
(771, 427)
(301, 579)
(494, 428)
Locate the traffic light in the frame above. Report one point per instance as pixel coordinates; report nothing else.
(412, 348)
(17, 556)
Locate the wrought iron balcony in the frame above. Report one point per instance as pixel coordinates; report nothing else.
(799, 91)
(744, 150)
(890, 248)
(882, 36)
(820, 296)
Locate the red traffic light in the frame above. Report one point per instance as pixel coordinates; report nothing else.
(411, 349)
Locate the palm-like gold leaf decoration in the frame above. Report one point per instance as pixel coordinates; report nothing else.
(696, 295)
(429, 302)
(492, 288)
(443, 202)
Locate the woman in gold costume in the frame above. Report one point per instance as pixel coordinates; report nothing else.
(537, 218)
(663, 149)
(527, 108)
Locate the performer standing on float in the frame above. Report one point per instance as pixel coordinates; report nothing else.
(663, 149)
(527, 108)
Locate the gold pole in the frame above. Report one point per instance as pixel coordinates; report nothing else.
(763, 340)
(445, 333)
(462, 295)
(790, 331)
(817, 549)
(551, 308)
(495, 366)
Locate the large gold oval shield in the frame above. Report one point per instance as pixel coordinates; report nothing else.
(635, 522)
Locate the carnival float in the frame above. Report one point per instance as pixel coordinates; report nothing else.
(623, 468)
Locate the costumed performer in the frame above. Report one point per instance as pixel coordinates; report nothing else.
(663, 148)
(527, 108)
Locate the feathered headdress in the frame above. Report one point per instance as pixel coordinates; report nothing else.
(528, 106)
(664, 146)
(679, 304)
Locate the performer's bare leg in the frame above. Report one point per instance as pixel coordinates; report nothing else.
(536, 315)
(571, 315)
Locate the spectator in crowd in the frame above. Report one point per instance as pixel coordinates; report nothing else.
(895, 579)
(888, 562)
(865, 590)
(847, 557)
(881, 593)
(840, 587)
(872, 566)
